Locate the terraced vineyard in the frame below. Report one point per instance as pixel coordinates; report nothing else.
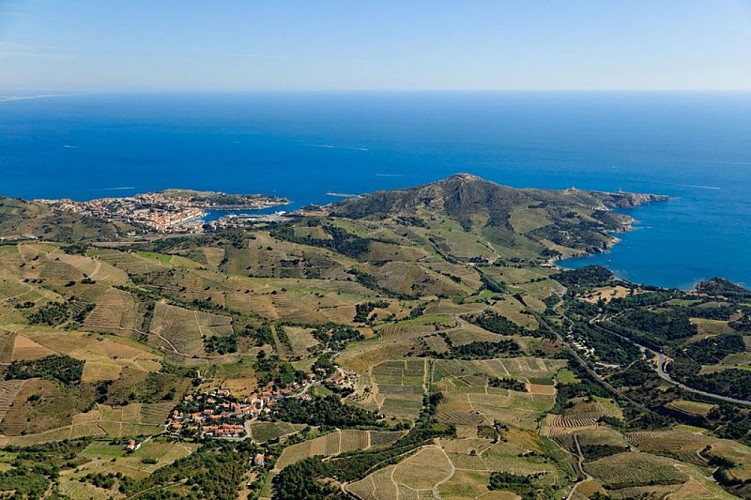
(334, 443)
(128, 262)
(429, 401)
(558, 424)
(115, 312)
(399, 386)
(9, 389)
(181, 331)
(636, 469)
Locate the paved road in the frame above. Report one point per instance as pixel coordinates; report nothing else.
(661, 361)
(583, 363)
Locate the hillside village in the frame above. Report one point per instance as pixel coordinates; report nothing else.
(219, 414)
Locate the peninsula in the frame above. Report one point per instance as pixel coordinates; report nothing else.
(414, 342)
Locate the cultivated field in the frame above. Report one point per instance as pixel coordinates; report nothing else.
(417, 476)
(687, 446)
(602, 436)
(469, 401)
(131, 263)
(680, 444)
(334, 443)
(636, 469)
(264, 431)
(710, 327)
(607, 294)
(26, 348)
(693, 408)
(181, 331)
(116, 312)
(399, 385)
(67, 420)
(301, 339)
(104, 456)
(516, 312)
(467, 332)
(105, 356)
(9, 389)
(521, 452)
(641, 475)
(414, 328)
(737, 453)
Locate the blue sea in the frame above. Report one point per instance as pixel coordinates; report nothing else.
(695, 147)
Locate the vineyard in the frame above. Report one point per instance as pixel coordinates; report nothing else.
(301, 339)
(686, 446)
(399, 386)
(128, 262)
(116, 312)
(262, 432)
(558, 424)
(413, 328)
(334, 443)
(8, 391)
(469, 400)
(182, 330)
(636, 469)
(25, 348)
(416, 476)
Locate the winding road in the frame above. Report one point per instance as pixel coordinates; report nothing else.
(580, 465)
(583, 363)
(660, 362)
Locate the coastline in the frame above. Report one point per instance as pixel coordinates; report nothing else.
(703, 235)
(590, 258)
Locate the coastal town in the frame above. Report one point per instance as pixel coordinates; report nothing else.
(169, 211)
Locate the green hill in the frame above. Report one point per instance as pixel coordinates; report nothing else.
(22, 219)
(563, 222)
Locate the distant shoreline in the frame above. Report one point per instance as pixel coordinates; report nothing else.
(641, 142)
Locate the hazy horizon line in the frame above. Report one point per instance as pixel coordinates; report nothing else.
(9, 95)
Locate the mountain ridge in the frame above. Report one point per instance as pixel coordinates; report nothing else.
(581, 221)
(463, 184)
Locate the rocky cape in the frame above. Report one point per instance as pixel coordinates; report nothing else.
(568, 222)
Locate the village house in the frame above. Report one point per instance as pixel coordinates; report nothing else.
(132, 446)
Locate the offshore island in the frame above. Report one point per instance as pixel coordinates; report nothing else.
(416, 341)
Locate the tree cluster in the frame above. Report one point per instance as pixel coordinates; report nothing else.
(494, 322)
(335, 336)
(586, 277)
(270, 369)
(658, 328)
(221, 344)
(340, 241)
(214, 471)
(524, 486)
(63, 368)
(507, 383)
(363, 310)
(328, 411)
(52, 314)
(483, 350)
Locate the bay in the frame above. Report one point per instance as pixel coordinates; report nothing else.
(692, 146)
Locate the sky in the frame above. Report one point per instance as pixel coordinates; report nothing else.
(333, 45)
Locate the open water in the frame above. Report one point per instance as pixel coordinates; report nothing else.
(695, 147)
